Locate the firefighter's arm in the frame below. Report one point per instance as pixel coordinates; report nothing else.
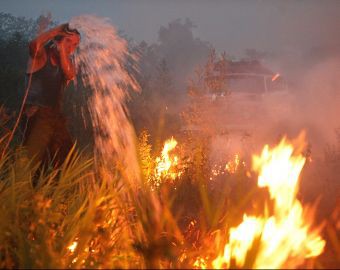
(39, 42)
(66, 63)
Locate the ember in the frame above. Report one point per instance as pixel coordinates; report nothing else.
(231, 167)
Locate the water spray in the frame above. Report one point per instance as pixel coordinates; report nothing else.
(101, 63)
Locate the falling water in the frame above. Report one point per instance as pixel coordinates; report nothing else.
(101, 63)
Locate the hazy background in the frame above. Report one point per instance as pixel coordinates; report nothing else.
(277, 26)
(298, 39)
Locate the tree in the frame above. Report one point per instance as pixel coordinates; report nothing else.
(164, 82)
(255, 55)
(15, 33)
(13, 59)
(181, 50)
(216, 74)
(28, 28)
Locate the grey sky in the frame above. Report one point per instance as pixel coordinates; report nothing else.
(234, 26)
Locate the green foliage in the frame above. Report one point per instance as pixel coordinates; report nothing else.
(114, 226)
(15, 34)
(39, 224)
(13, 60)
(145, 155)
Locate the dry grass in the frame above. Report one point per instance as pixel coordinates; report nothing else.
(112, 225)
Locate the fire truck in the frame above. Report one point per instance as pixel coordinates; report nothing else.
(242, 99)
(240, 95)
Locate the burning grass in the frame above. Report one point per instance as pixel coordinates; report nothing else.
(282, 238)
(77, 218)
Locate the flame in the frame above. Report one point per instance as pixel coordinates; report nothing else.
(73, 246)
(166, 165)
(231, 167)
(285, 237)
(200, 263)
(275, 76)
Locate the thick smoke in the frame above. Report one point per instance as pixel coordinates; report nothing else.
(311, 102)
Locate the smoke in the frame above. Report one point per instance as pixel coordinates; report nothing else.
(318, 101)
(311, 102)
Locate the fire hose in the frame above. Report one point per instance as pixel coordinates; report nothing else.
(20, 112)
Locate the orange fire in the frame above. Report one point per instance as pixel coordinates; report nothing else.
(286, 239)
(167, 165)
(200, 263)
(233, 165)
(275, 76)
(73, 246)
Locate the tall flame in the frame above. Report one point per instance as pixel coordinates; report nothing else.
(286, 239)
(165, 163)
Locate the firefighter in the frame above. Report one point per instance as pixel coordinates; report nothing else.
(50, 69)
